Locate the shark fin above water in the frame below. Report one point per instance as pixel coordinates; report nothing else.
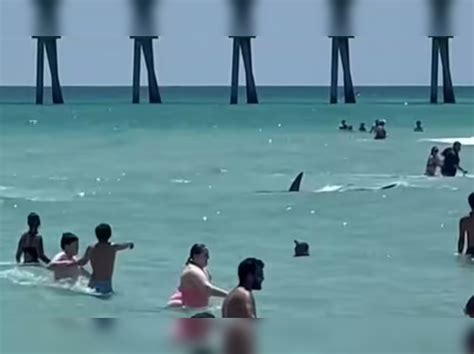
(295, 186)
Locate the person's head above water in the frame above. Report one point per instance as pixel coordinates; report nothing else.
(70, 243)
(103, 232)
(34, 222)
(251, 274)
(469, 309)
(434, 151)
(198, 255)
(301, 249)
(418, 124)
(457, 146)
(470, 199)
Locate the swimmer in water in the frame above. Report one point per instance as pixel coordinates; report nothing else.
(469, 308)
(434, 162)
(64, 264)
(301, 249)
(31, 243)
(466, 230)
(380, 132)
(240, 303)
(343, 125)
(418, 128)
(195, 288)
(102, 257)
(452, 160)
(362, 127)
(374, 126)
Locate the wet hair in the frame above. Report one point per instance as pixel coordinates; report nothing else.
(418, 122)
(103, 232)
(469, 309)
(33, 221)
(203, 315)
(456, 143)
(249, 266)
(197, 249)
(433, 149)
(470, 199)
(67, 239)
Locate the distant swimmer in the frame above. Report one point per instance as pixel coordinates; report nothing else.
(296, 184)
(301, 249)
(434, 162)
(195, 288)
(466, 231)
(343, 125)
(469, 308)
(380, 132)
(362, 127)
(418, 128)
(374, 126)
(102, 258)
(64, 264)
(452, 160)
(240, 303)
(31, 243)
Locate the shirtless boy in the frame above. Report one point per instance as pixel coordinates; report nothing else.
(102, 258)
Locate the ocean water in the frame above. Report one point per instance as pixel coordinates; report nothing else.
(198, 170)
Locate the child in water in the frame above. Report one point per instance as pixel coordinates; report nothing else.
(64, 264)
(434, 161)
(102, 258)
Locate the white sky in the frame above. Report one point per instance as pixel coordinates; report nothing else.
(391, 47)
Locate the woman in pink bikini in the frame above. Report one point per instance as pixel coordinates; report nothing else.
(195, 286)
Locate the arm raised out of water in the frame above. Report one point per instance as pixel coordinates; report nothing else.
(85, 259)
(123, 246)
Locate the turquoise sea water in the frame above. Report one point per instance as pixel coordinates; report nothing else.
(194, 169)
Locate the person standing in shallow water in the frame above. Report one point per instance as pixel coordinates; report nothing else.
(240, 303)
(434, 161)
(418, 128)
(195, 288)
(452, 160)
(30, 245)
(380, 132)
(466, 230)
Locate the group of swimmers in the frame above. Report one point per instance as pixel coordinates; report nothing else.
(195, 287)
(448, 165)
(378, 128)
(65, 265)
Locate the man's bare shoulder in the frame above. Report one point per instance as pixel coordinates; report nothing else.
(239, 294)
(468, 219)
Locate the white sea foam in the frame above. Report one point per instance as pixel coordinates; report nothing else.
(466, 141)
(37, 276)
(180, 181)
